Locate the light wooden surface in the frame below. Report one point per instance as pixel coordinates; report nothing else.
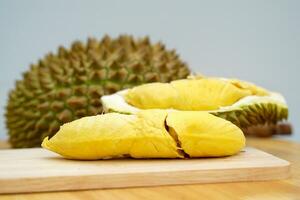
(41, 170)
(283, 189)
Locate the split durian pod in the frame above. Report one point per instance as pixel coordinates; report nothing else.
(250, 107)
(147, 134)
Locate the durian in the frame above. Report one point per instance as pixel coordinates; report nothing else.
(68, 85)
(240, 102)
(147, 134)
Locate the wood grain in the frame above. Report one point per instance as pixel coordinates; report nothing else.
(283, 189)
(41, 170)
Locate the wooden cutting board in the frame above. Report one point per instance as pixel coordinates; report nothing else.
(36, 170)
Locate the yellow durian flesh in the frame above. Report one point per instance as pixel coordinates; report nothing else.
(93, 137)
(255, 90)
(206, 94)
(205, 135)
(152, 138)
(165, 96)
(191, 94)
(148, 134)
(245, 85)
(114, 135)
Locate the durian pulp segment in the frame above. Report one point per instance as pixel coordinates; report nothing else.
(199, 94)
(206, 94)
(147, 134)
(202, 134)
(165, 96)
(255, 90)
(114, 135)
(117, 103)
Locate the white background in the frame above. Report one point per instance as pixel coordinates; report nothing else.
(254, 40)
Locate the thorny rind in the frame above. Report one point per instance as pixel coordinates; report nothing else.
(67, 85)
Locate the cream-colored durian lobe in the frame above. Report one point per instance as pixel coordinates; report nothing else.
(147, 134)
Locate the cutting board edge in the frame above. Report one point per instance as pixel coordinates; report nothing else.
(27, 185)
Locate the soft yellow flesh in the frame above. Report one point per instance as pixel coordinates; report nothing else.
(206, 94)
(165, 96)
(255, 90)
(205, 135)
(145, 135)
(191, 94)
(114, 135)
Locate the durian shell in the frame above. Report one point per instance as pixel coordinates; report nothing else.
(68, 85)
(254, 114)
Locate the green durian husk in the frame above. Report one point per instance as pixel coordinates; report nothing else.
(68, 85)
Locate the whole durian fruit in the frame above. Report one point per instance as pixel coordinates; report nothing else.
(68, 85)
